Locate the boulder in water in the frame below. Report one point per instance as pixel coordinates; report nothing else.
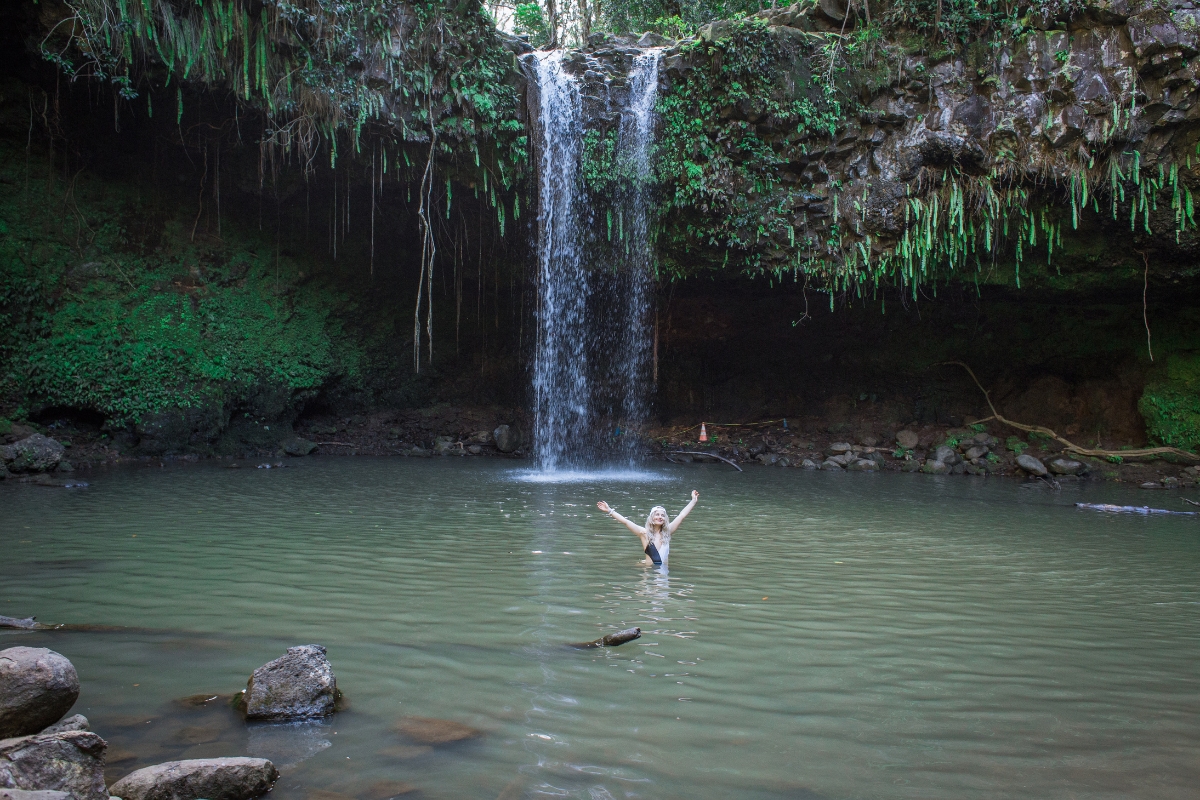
(36, 453)
(37, 687)
(507, 437)
(209, 778)
(298, 685)
(71, 762)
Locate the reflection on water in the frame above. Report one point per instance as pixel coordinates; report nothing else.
(818, 635)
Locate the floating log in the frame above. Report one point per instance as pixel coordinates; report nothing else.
(611, 640)
(29, 624)
(1134, 509)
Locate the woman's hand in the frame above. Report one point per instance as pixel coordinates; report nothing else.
(695, 495)
(603, 506)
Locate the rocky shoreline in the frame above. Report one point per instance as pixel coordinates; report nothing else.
(56, 454)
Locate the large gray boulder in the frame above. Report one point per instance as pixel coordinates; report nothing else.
(209, 778)
(37, 687)
(507, 438)
(72, 762)
(36, 453)
(297, 685)
(1067, 466)
(1032, 465)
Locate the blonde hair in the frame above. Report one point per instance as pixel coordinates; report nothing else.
(650, 517)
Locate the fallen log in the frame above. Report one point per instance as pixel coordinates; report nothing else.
(706, 455)
(28, 624)
(610, 640)
(1133, 509)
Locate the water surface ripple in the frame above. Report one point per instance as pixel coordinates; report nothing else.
(817, 636)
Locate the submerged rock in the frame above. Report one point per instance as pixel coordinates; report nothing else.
(289, 743)
(36, 453)
(208, 778)
(72, 762)
(431, 731)
(37, 687)
(1032, 465)
(297, 685)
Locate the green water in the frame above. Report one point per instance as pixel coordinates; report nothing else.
(818, 635)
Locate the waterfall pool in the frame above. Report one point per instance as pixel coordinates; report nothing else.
(818, 635)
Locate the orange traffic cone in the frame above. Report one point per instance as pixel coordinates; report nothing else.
(703, 433)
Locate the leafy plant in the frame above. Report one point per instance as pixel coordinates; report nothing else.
(529, 21)
(1015, 445)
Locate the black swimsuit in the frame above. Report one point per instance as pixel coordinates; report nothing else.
(652, 551)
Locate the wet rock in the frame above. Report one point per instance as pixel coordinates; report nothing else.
(838, 448)
(37, 687)
(507, 437)
(862, 465)
(910, 466)
(26, 624)
(808, 463)
(1152, 485)
(768, 459)
(907, 439)
(1067, 466)
(430, 731)
(75, 722)
(935, 467)
(978, 451)
(1032, 465)
(946, 455)
(71, 762)
(36, 453)
(297, 685)
(295, 446)
(33, 794)
(475, 449)
(443, 444)
(208, 778)
(206, 700)
(829, 463)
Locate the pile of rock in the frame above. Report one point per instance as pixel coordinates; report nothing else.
(854, 458)
(45, 755)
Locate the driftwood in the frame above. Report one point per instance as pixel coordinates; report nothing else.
(706, 455)
(29, 624)
(611, 640)
(1067, 445)
(1134, 509)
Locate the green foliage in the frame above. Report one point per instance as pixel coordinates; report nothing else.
(98, 325)
(5, 425)
(529, 21)
(1015, 445)
(316, 70)
(674, 18)
(1170, 402)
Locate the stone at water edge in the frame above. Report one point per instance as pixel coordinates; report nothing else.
(935, 467)
(1067, 466)
(1032, 465)
(295, 446)
(946, 455)
(838, 448)
(297, 685)
(208, 778)
(37, 687)
(808, 463)
(75, 722)
(907, 439)
(33, 794)
(978, 451)
(862, 465)
(36, 453)
(508, 438)
(829, 463)
(70, 762)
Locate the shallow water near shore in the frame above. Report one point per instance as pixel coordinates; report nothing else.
(818, 635)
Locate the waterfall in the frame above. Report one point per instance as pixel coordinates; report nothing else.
(591, 372)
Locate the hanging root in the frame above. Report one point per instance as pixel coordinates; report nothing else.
(1069, 446)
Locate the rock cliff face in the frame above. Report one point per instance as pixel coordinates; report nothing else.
(1035, 145)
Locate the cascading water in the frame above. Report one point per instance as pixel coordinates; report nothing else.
(592, 375)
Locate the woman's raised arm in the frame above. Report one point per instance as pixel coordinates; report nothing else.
(686, 510)
(633, 526)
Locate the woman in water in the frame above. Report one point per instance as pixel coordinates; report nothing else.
(656, 535)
